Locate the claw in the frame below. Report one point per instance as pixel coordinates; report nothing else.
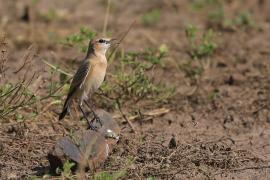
(94, 114)
(97, 119)
(90, 126)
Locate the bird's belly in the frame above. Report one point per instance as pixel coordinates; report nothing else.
(95, 79)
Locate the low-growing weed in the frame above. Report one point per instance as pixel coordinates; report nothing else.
(131, 83)
(66, 171)
(103, 175)
(199, 4)
(242, 19)
(80, 39)
(199, 49)
(151, 18)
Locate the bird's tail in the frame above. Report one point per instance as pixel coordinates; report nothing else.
(65, 109)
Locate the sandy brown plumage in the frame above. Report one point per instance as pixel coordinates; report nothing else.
(89, 76)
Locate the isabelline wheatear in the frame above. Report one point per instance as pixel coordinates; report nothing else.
(88, 77)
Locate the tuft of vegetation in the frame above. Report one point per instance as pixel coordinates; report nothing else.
(131, 82)
(242, 19)
(213, 95)
(200, 47)
(53, 88)
(48, 16)
(80, 39)
(199, 4)
(217, 17)
(18, 97)
(151, 18)
(103, 175)
(192, 70)
(66, 171)
(14, 97)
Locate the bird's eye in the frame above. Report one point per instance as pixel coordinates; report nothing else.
(101, 41)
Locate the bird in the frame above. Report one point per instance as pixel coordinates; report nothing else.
(88, 78)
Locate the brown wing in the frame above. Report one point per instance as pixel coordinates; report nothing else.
(79, 76)
(76, 83)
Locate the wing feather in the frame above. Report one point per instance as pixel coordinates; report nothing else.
(77, 82)
(80, 76)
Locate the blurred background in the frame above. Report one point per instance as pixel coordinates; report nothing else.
(194, 71)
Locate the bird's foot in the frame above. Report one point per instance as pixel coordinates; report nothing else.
(91, 126)
(97, 119)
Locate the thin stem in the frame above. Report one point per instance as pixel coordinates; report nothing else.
(106, 18)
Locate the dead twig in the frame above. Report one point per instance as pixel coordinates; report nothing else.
(151, 114)
(28, 56)
(121, 39)
(125, 117)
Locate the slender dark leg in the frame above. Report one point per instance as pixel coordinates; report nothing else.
(95, 115)
(90, 124)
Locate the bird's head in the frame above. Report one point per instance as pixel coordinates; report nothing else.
(102, 45)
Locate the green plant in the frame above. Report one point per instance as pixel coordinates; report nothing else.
(151, 18)
(48, 16)
(213, 94)
(191, 70)
(110, 175)
(34, 2)
(53, 85)
(130, 82)
(14, 97)
(243, 19)
(66, 170)
(200, 47)
(80, 38)
(199, 4)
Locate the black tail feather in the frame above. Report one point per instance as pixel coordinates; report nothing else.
(63, 114)
(65, 110)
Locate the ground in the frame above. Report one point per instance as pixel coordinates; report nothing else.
(219, 118)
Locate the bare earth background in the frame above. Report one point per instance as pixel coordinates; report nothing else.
(226, 137)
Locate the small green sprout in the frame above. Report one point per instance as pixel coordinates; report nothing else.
(244, 19)
(110, 175)
(48, 16)
(66, 170)
(151, 18)
(202, 48)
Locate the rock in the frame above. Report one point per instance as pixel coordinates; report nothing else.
(172, 144)
(87, 148)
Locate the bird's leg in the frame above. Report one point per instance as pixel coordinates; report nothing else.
(95, 115)
(90, 124)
